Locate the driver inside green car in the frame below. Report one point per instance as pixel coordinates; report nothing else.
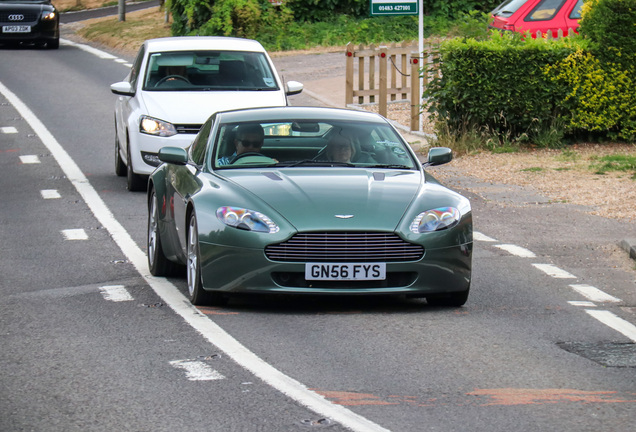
(249, 139)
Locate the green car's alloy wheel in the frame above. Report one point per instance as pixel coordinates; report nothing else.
(157, 262)
(198, 296)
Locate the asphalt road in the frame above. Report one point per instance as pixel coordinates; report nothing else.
(88, 344)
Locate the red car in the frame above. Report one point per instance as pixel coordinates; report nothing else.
(537, 16)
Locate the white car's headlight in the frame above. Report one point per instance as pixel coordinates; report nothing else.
(436, 220)
(245, 219)
(153, 126)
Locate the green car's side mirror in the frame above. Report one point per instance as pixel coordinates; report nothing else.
(173, 155)
(439, 156)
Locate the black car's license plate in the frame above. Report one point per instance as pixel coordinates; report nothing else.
(16, 29)
(345, 271)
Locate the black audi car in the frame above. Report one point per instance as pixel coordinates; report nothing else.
(29, 21)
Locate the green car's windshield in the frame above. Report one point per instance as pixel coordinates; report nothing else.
(301, 143)
(209, 70)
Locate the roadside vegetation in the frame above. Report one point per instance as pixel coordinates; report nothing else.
(496, 93)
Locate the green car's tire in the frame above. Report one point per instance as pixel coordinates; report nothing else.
(158, 264)
(456, 299)
(197, 295)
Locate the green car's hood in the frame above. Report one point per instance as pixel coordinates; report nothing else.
(346, 198)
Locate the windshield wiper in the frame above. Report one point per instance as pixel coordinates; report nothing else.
(311, 162)
(389, 166)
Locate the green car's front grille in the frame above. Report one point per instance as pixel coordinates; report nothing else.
(345, 247)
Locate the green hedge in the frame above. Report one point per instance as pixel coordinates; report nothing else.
(516, 86)
(498, 84)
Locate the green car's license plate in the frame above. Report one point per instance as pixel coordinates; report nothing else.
(345, 271)
(16, 29)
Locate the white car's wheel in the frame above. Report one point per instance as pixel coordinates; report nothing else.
(120, 165)
(135, 182)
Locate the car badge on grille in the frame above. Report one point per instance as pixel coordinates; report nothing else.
(16, 17)
(344, 216)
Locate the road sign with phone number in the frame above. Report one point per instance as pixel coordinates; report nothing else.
(393, 7)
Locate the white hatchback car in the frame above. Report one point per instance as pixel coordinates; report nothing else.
(175, 84)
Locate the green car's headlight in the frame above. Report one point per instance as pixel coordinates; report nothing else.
(245, 219)
(436, 220)
(153, 126)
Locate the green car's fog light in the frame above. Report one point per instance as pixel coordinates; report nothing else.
(435, 220)
(245, 219)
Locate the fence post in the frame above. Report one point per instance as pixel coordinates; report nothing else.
(383, 82)
(349, 75)
(415, 91)
(371, 74)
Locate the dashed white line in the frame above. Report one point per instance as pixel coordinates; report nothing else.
(115, 293)
(581, 303)
(554, 271)
(89, 49)
(30, 159)
(482, 237)
(50, 194)
(619, 324)
(516, 250)
(8, 130)
(595, 294)
(75, 234)
(197, 370)
(177, 301)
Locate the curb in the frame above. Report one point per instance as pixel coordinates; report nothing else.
(629, 245)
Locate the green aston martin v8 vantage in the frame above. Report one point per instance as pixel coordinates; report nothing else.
(307, 200)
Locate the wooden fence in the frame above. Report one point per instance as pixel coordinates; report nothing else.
(388, 73)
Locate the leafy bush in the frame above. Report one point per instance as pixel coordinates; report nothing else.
(498, 85)
(609, 25)
(601, 77)
(601, 96)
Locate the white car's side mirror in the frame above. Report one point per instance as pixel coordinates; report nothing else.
(293, 88)
(122, 88)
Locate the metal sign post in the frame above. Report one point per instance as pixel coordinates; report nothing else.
(403, 7)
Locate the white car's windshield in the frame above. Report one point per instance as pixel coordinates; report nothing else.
(209, 70)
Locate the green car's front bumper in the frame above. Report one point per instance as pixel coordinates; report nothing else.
(245, 270)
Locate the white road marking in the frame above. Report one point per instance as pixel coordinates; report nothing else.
(554, 271)
(171, 296)
(580, 303)
(482, 237)
(619, 324)
(8, 130)
(89, 49)
(197, 370)
(96, 52)
(595, 294)
(75, 234)
(50, 194)
(30, 159)
(516, 250)
(116, 293)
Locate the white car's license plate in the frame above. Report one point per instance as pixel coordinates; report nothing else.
(16, 29)
(345, 271)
